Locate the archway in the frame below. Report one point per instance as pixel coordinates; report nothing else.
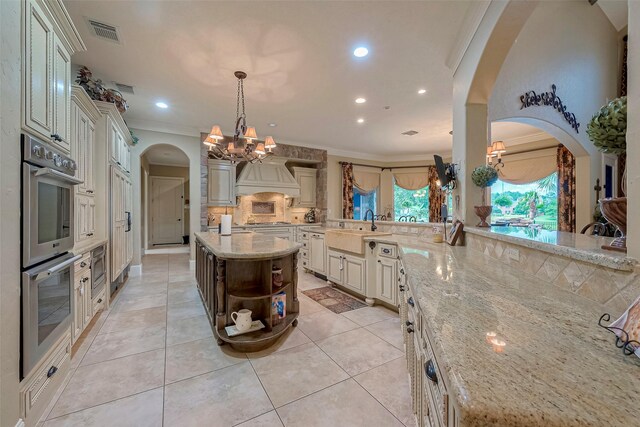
(188, 145)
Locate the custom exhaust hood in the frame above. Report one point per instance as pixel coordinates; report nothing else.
(269, 176)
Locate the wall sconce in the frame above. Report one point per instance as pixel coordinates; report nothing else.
(496, 149)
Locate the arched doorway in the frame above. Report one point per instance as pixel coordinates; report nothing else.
(164, 199)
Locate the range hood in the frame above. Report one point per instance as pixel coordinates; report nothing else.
(270, 176)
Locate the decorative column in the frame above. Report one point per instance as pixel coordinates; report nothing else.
(221, 317)
(633, 133)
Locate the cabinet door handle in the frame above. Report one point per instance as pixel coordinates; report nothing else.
(100, 300)
(401, 288)
(51, 372)
(410, 302)
(89, 191)
(83, 264)
(410, 329)
(430, 371)
(56, 137)
(379, 261)
(89, 234)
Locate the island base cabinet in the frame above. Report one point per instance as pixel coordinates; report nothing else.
(387, 280)
(348, 271)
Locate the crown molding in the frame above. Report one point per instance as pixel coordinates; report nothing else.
(79, 95)
(68, 32)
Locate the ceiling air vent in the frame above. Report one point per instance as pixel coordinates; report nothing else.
(104, 31)
(124, 88)
(410, 132)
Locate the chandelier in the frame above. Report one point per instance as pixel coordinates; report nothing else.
(238, 150)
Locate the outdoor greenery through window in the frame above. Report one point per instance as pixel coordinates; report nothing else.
(411, 203)
(363, 201)
(524, 204)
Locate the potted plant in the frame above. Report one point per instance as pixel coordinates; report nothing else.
(484, 176)
(608, 132)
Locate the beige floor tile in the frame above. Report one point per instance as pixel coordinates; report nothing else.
(389, 330)
(137, 319)
(389, 384)
(344, 404)
(309, 306)
(189, 329)
(270, 419)
(198, 357)
(299, 371)
(221, 398)
(125, 343)
(183, 310)
(292, 338)
(183, 294)
(358, 351)
(309, 281)
(126, 303)
(145, 289)
(324, 324)
(368, 315)
(181, 276)
(139, 410)
(106, 381)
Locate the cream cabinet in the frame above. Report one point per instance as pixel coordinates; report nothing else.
(121, 237)
(221, 183)
(48, 41)
(85, 226)
(306, 178)
(347, 270)
(82, 307)
(387, 280)
(317, 253)
(119, 149)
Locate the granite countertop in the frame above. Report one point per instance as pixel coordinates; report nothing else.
(320, 229)
(558, 367)
(268, 225)
(88, 247)
(247, 245)
(571, 245)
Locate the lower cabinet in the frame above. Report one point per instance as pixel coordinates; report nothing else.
(387, 280)
(82, 307)
(347, 270)
(85, 217)
(317, 253)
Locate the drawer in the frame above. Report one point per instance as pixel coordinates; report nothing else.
(99, 302)
(304, 253)
(389, 251)
(412, 312)
(437, 388)
(427, 404)
(305, 263)
(52, 371)
(304, 235)
(83, 263)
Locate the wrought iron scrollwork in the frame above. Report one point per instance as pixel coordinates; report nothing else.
(627, 345)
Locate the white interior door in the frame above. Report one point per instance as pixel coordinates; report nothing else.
(166, 210)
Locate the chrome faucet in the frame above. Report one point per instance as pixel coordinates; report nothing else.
(373, 217)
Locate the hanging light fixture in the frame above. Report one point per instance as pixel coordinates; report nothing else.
(497, 149)
(236, 150)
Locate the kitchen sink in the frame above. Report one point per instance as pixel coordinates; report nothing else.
(349, 240)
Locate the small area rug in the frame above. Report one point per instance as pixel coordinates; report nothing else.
(334, 300)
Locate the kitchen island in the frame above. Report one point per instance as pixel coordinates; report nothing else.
(235, 272)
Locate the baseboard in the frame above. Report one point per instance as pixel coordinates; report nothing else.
(135, 270)
(20, 423)
(165, 251)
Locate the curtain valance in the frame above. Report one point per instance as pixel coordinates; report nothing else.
(412, 181)
(524, 171)
(366, 181)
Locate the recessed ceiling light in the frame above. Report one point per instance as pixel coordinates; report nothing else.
(422, 91)
(360, 120)
(161, 104)
(360, 100)
(273, 125)
(361, 52)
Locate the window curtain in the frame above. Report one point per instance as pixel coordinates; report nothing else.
(347, 191)
(366, 181)
(566, 190)
(530, 169)
(436, 196)
(622, 158)
(412, 181)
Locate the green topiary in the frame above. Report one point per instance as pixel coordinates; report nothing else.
(484, 176)
(607, 129)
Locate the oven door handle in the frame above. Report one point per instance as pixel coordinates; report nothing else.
(45, 274)
(57, 174)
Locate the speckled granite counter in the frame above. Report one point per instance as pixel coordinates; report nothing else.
(247, 245)
(558, 367)
(571, 245)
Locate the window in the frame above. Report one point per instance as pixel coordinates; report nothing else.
(363, 201)
(411, 203)
(524, 204)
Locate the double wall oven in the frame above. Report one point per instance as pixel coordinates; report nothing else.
(47, 237)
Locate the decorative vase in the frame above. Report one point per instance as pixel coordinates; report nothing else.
(483, 212)
(615, 211)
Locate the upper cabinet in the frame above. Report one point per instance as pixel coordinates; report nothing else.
(306, 178)
(117, 135)
(221, 183)
(84, 116)
(49, 39)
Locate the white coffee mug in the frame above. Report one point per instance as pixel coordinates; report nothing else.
(242, 319)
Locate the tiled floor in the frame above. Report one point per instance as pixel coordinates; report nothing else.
(152, 361)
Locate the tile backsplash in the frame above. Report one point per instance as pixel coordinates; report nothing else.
(243, 213)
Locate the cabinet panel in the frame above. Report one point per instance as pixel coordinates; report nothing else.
(38, 82)
(317, 251)
(334, 267)
(87, 305)
(306, 178)
(221, 184)
(61, 95)
(387, 278)
(355, 273)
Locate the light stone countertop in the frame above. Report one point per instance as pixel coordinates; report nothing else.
(571, 245)
(268, 225)
(558, 368)
(247, 245)
(81, 250)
